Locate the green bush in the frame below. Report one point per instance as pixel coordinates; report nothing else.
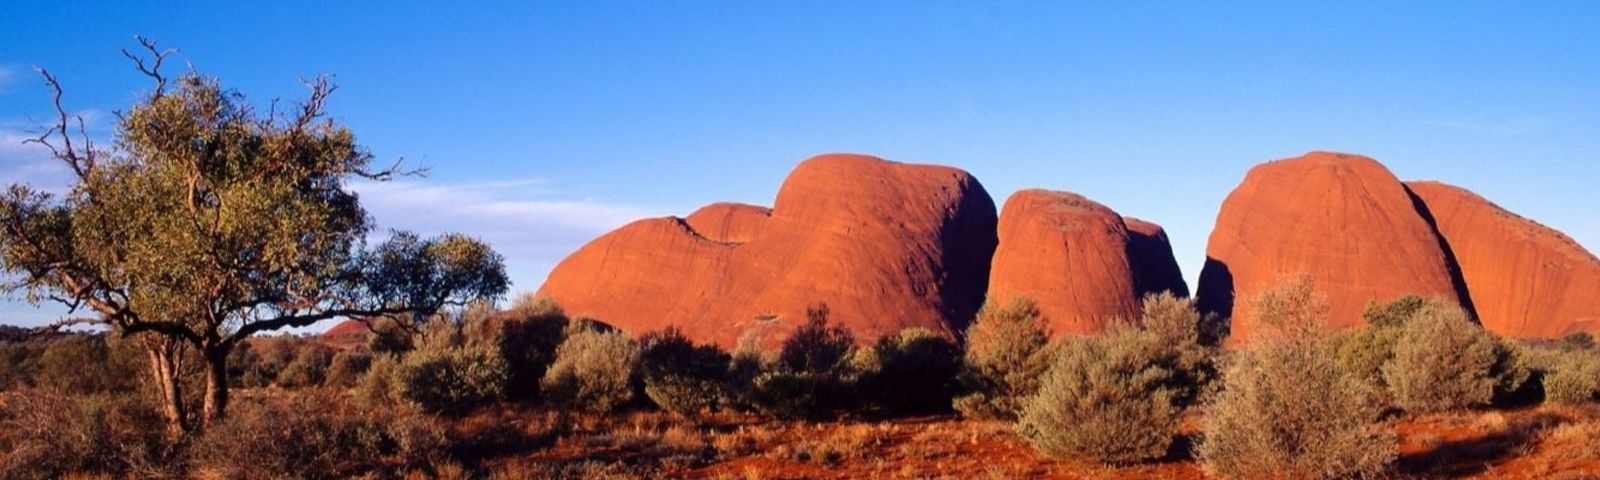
(347, 368)
(1577, 341)
(1180, 348)
(1442, 361)
(1286, 409)
(451, 380)
(315, 435)
(19, 363)
(813, 375)
(1393, 314)
(1573, 378)
(83, 364)
(308, 368)
(527, 336)
(1005, 356)
(910, 372)
(53, 435)
(377, 386)
(1105, 398)
(593, 370)
(682, 377)
(1362, 352)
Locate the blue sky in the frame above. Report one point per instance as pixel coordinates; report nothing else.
(545, 124)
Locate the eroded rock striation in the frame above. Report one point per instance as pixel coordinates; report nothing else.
(885, 245)
(1526, 280)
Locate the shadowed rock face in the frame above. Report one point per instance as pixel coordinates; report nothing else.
(1343, 219)
(1080, 261)
(885, 245)
(1155, 269)
(1527, 280)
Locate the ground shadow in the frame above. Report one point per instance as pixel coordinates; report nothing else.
(1473, 456)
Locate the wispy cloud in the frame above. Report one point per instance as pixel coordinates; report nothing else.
(1501, 127)
(527, 220)
(8, 79)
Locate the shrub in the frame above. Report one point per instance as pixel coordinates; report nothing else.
(1443, 361)
(1395, 313)
(84, 364)
(314, 435)
(451, 380)
(347, 368)
(18, 364)
(1577, 341)
(1286, 410)
(53, 435)
(1574, 378)
(1005, 356)
(1179, 346)
(682, 377)
(309, 367)
(1105, 398)
(1363, 352)
(593, 370)
(377, 386)
(527, 336)
(911, 372)
(812, 375)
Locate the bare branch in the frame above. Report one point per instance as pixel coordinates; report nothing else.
(153, 69)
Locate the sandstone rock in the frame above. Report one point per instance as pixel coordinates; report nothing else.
(1345, 220)
(346, 334)
(885, 245)
(1080, 261)
(1526, 280)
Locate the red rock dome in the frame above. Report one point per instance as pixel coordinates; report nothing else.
(885, 245)
(1081, 262)
(1526, 280)
(1343, 219)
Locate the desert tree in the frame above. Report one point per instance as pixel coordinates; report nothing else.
(208, 221)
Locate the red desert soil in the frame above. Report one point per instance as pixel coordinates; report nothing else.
(1072, 256)
(886, 246)
(1343, 219)
(1543, 442)
(1526, 280)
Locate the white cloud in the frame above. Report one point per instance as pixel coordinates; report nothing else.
(8, 78)
(518, 217)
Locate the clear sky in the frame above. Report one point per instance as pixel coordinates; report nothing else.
(548, 123)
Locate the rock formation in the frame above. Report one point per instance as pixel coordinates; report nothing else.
(884, 245)
(1155, 269)
(1526, 280)
(1345, 220)
(1080, 261)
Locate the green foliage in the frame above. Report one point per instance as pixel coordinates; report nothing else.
(527, 336)
(1442, 361)
(451, 380)
(19, 362)
(813, 375)
(1573, 378)
(682, 377)
(210, 221)
(1286, 409)
(1005, 356)
(309, 367)
(910, 372)
(594, 370)
(1106, 398)
(1362, 352)
(83, 364)
(1179, 329)
(1394, 314)
(347, 368)
(377, 387)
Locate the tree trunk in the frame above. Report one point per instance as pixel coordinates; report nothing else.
(165, 359)
(216, 404)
